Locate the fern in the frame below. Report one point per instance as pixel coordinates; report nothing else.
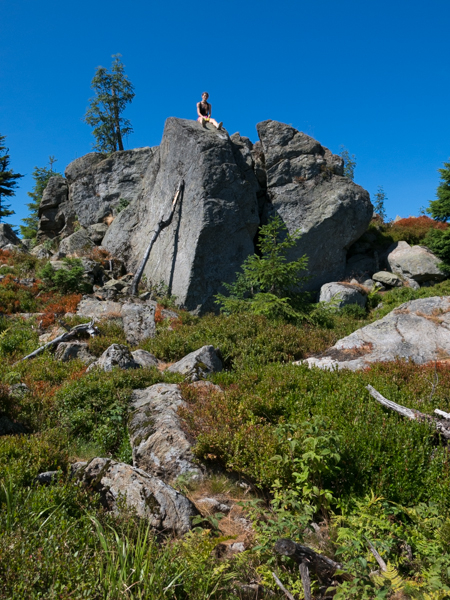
(392, 576)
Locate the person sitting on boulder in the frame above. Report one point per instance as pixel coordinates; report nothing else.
(204, 112)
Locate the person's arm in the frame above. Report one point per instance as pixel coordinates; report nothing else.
(209, 111)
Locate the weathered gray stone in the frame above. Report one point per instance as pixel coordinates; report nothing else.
(74, 350)
(98, 183)
(138, 322)
(160, 446)
(387, 278)
(19, 390)
(7, 236)
(40, 251)
(198, 364)
(47, 477)
(418, 330)
(342, 294)
(306, 188)
(76, 244)
(114, 284)
(99, 309)
(116, 355)
(213, 228)
(166, 509)
(211, 506)
(145, 359)
(97, 232)
(414, 262)
(56, 218)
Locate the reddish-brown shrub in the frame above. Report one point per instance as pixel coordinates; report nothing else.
(58, 306)
(414, 229)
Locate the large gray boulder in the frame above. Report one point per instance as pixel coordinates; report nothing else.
(160, 446)
(119, 484)
(415, 262)
(198, 364)
(213, 229)
(7, 236)
(77, 244)
(98, 309)
(418, 330)
(74, 350)
(342, 294)
(306, 188)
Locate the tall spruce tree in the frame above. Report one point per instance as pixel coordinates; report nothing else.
(8, 180)
(41, 177)
(378, 203)
(113, 91)
(440, 209)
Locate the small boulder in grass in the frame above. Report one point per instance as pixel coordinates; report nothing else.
(198, 364)
(116, 355)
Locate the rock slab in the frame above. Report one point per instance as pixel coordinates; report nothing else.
(415, 262)
(418, 330)
(160, 446)
(116, 355)
(342, 294)
(166, 509)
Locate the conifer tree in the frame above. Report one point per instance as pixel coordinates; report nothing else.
(349, 163)
(113, 91)
(378, 204)
(440, 209)
(41, 178)
(8, 180)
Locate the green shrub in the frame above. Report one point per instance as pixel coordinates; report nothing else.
(66, 280)
(438, 241)
(268, 284)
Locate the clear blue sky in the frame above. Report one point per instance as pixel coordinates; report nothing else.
(373, 76)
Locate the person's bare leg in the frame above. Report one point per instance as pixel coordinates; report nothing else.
(216, 124)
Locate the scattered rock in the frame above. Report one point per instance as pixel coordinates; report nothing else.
(211, 506)
(97, 232)
(166, 509)
(115, 356)
(160, 446)
(138, 322)
(414, 262)
(48, 477)
(74, 350)
(97, 309)
(387, 278)
(198, 364)
(76, 244)
(342, 294)
(18, 390)
(145, 359)
(41, 251)
(417, 330)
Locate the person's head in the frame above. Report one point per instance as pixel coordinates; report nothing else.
(205, 96)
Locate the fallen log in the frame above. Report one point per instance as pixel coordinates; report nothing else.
(161, 225)
(322, 566)
(442, 426)
(64, 337)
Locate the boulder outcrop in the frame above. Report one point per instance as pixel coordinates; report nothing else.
(306, 187)
(7, 236)
(166, 509)
(418, 330)
(342, 294)
(198, 364)
(116, 355)
(159, 444)
(231, 188)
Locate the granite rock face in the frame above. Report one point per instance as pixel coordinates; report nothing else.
(213, 228)
(160, 446)
(138, 322)
(414, 262)
(306, 187)
(418, 330)
(55, 215)
(166, 509)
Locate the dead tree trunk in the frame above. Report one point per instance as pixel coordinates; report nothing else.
(65, 337)
(442, 425)
(161, 225)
